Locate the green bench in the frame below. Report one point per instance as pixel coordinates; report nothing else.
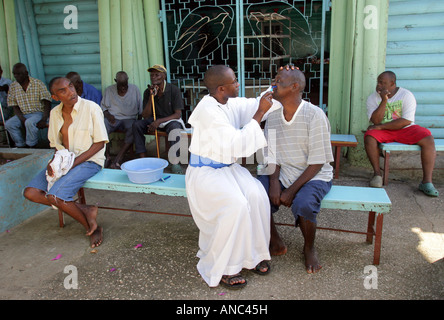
(387, 148)
(338, 141)
(372, 200)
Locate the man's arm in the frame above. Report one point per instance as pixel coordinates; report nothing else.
(378, 116)
(46, 110)
(289, 194)
(275, 187)
(95, 147)
(18, 112)
(155, 124)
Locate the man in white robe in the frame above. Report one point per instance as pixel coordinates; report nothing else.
(229, 206)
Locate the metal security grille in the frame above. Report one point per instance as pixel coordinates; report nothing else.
(253, 37)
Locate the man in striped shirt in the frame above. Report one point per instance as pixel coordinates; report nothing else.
(31, 102)
(299, 149)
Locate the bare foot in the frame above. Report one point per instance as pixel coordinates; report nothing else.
(96, 237)
(91, 216)
(278, 249)
(312, 264)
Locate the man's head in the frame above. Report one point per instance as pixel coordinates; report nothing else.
(76, 80)
(221, 81)
(63, 90)
(386, 81)
(122, 82)
(289, 82)
(20, 73)
(158, 74)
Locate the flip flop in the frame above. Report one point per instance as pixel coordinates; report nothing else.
(429, 189)
(225, 281)
(262, 264)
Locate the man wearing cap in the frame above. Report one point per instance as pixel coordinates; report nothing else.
(168, 106)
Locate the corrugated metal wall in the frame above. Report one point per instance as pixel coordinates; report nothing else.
(415, 52)
(64, 50)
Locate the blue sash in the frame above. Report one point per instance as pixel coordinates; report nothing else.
(198, 162)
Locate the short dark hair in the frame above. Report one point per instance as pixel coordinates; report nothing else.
(51, 83)
(391, 74)
(214, 77)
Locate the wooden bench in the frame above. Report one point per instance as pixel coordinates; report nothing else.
(372, 200)
(338, 141)
(387, 148)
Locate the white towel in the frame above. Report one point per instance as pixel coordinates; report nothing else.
(61, 164)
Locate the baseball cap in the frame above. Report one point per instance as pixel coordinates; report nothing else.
(158, 67)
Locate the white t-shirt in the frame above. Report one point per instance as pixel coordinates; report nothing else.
(300, 142)
(401, 105)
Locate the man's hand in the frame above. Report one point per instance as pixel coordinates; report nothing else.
(154, 89)
(287, 197)
(49, 168)
(384, 94)
(374, 127)
(154, 125)
(41, 124)
(110, 117)
(264, 105)
(275, 192)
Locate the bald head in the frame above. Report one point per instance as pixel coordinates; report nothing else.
(293, 75)
(215, 77)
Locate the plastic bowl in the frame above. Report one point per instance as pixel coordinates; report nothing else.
(144, 170)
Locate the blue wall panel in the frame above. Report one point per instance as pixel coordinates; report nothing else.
(64, 49)
(415, 52)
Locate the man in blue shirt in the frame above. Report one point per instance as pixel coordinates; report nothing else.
(83, 89)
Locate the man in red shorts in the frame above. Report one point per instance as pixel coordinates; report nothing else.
(392, 109)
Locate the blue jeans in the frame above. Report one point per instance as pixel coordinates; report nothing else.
(307, 202)
(68, 185)
(15, 126)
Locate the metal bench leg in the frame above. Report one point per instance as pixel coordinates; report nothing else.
(378, 239)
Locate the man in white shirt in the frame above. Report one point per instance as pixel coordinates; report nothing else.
(392, 109)
(121, 105)
(301, 157)
(229, 206)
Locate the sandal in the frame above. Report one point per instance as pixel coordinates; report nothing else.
(262, 265)
(228, 281)
(429, 189)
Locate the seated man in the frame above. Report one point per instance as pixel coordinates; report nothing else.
(169, 105)
(299, 167)
(4, 88)
(392, 109)
(121, 105)
(84, 90)
(31, 103)
(75, 125)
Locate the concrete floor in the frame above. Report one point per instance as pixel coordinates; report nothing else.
(163, 267)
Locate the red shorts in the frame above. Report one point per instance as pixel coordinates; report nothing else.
(409, 135)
